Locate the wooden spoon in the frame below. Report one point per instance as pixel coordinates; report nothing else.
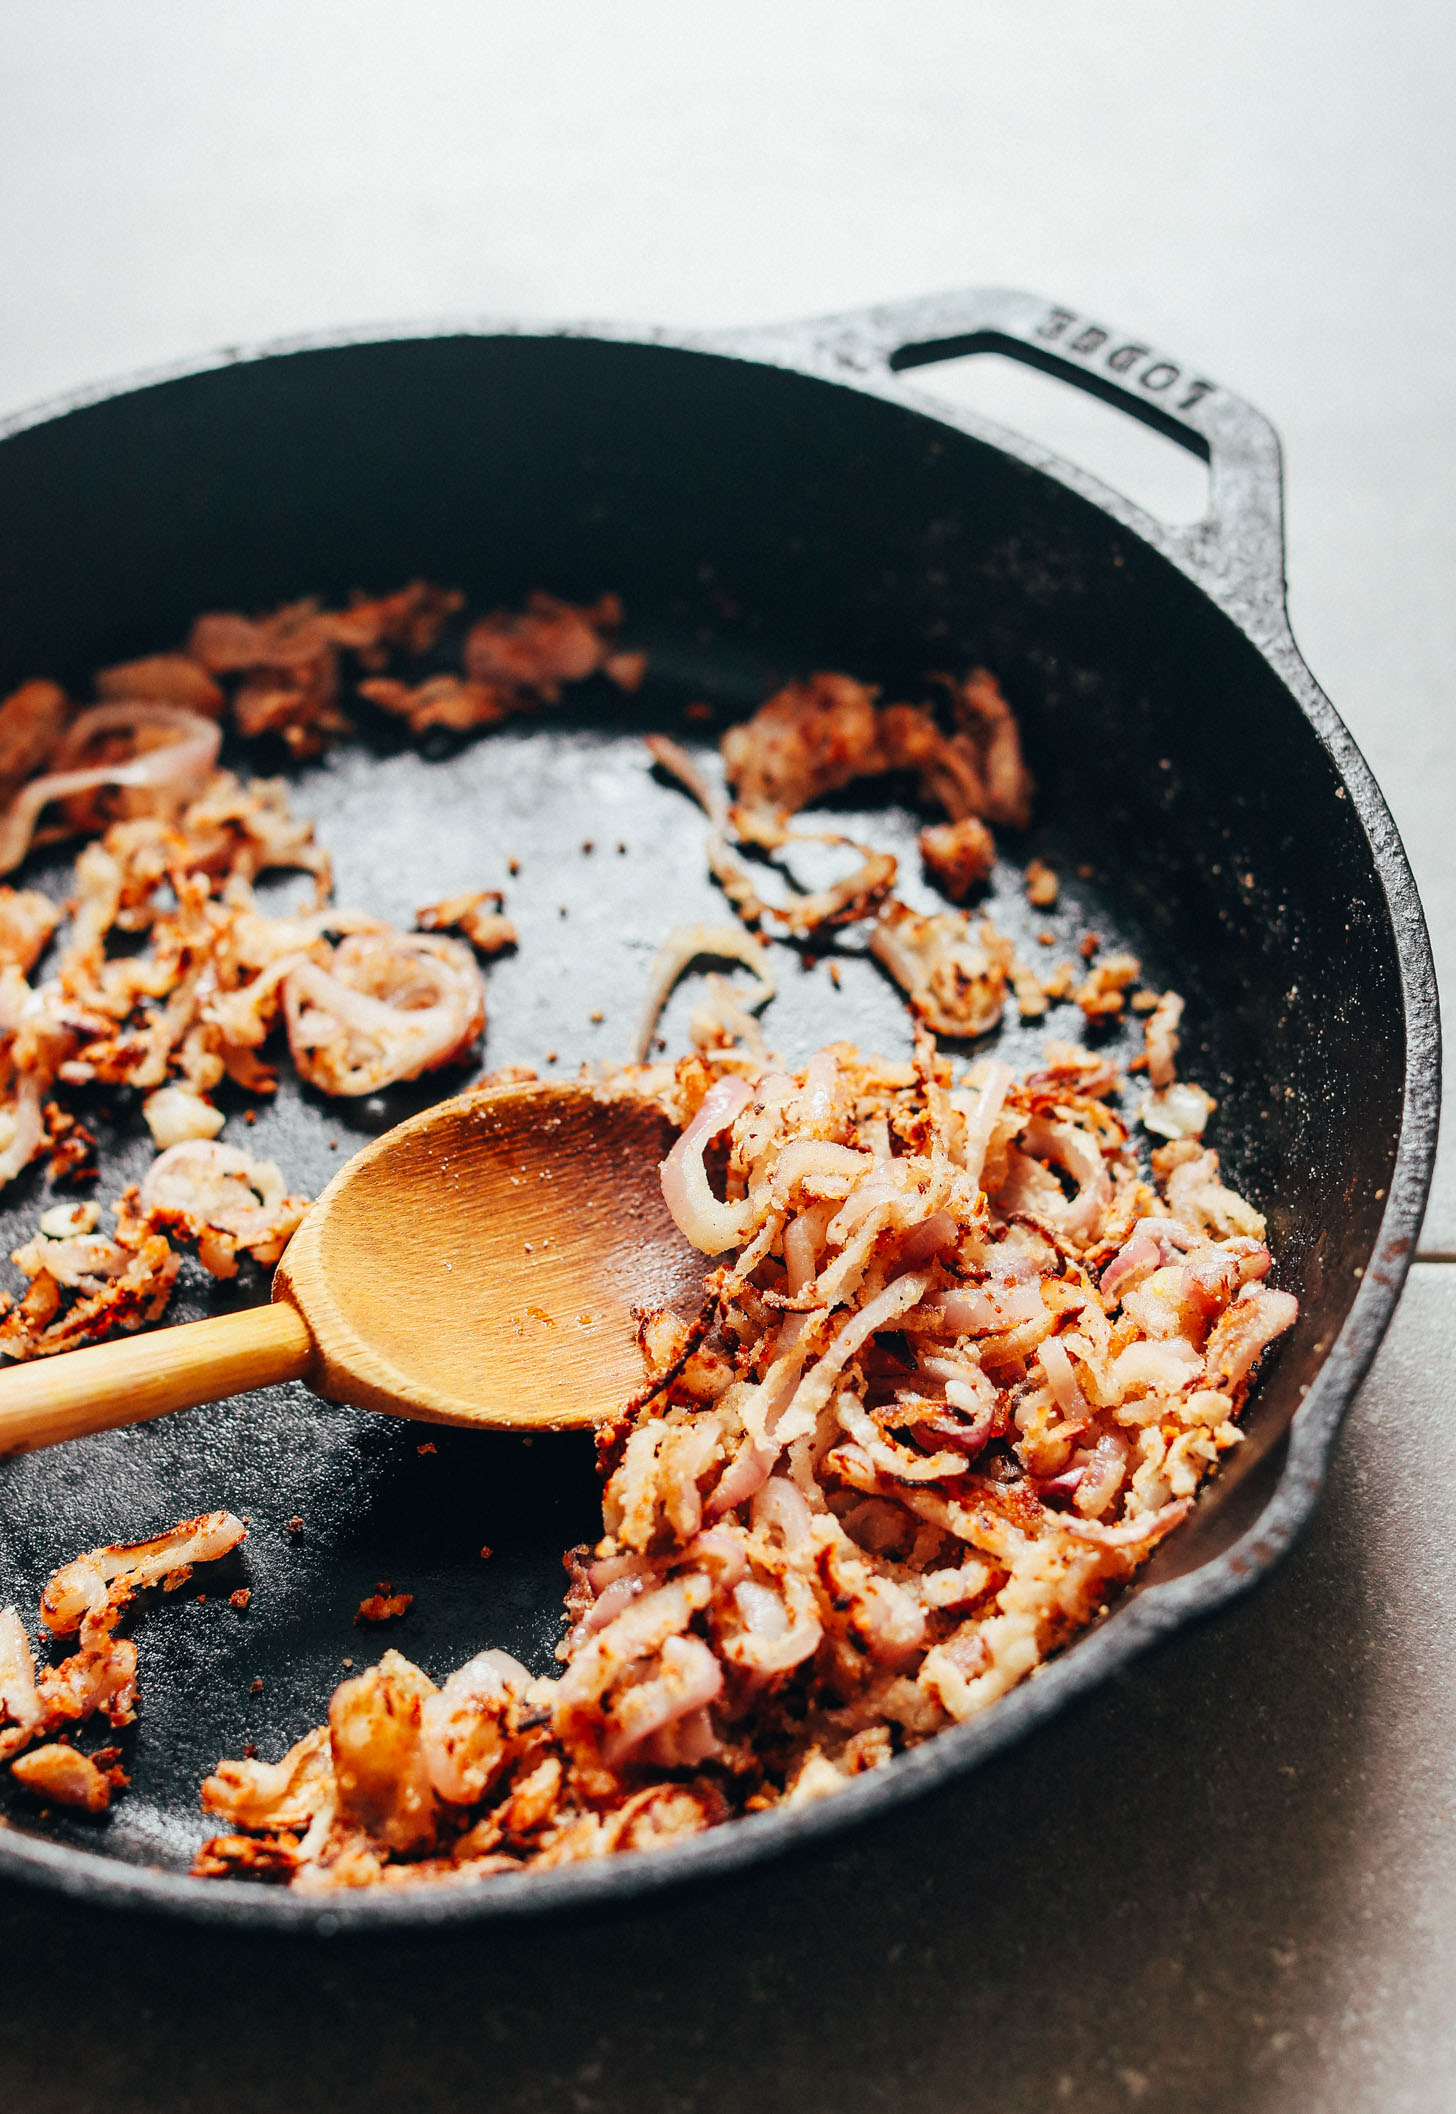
(477, 1265)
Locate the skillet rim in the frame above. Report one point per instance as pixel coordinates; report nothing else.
(848, 352)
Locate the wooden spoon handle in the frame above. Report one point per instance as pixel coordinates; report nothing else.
(138, 1377)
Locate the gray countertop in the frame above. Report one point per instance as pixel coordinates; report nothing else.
(1230, 1882)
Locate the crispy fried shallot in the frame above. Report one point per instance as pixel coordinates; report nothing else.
(222, 1198)
(91, 1594)
(84, 1285)
(170, 978)
(952, 971)
(63, 1776)
(27, 920)
(814, 737)
(480, 916)
(727, 1017)
(962, 1371)
(169, 753)
(386, 1006)
(958, 856)
(958, 1370)
(32, 721)
(529, 654)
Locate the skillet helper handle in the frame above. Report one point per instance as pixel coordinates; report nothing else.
(140, 1377)
(1237, 551)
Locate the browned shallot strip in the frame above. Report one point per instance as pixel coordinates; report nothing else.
(168, 773)
(962, 1368)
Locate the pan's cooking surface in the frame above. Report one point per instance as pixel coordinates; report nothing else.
(405, 832)
(758, 525)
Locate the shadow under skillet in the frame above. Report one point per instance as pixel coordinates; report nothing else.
(1192, 1893)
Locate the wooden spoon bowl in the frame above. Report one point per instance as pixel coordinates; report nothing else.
(480, 1264)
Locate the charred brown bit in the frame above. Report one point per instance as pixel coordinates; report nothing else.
(529, 654)
(447, 701)
(1042, 886)
(952, 970)
(814, 737)
(287, 671)
(479, 916)
(85, 1285)
(986, 726)
(411, 620)
(27, 920)
(514, 662)
(960, 1368)
(63, 1776)
(808, 740)
(627, 670)
(1103, 994)
(71, 1148)
(958, 856)
(247, 1857)
(384, 1604)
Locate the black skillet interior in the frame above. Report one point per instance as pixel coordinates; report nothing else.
(758, 525)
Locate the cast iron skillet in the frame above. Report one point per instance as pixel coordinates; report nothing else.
(766, 504)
